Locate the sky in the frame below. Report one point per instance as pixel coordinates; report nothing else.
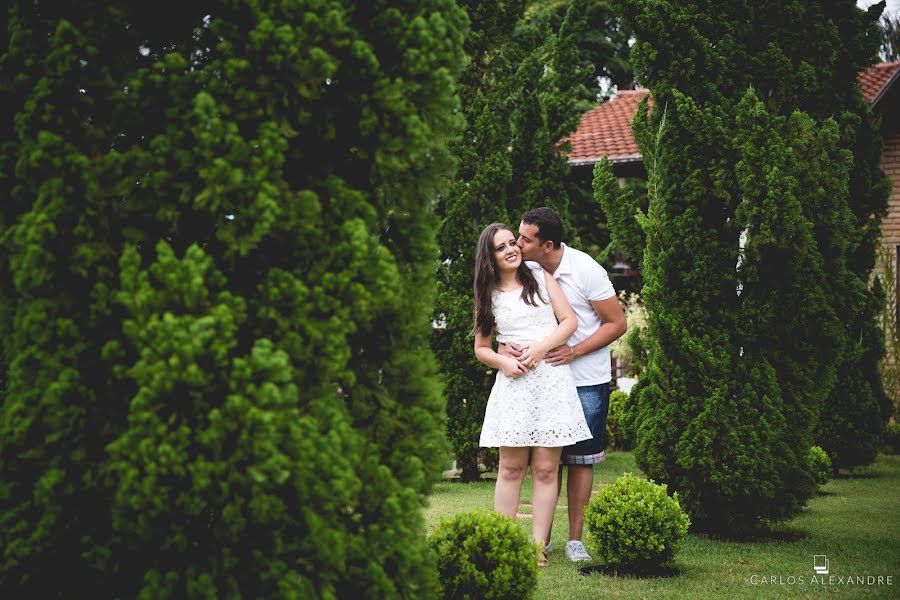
(893, 6)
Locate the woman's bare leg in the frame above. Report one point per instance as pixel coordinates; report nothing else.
(513, 464)
(545, 475)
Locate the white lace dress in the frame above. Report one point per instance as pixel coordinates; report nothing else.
(542, 407)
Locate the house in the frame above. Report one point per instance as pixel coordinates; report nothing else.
(881, 87)
(605, 130)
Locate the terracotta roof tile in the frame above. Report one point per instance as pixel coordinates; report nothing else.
(605, 130)
(873, 79)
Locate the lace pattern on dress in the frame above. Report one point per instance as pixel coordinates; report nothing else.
(540, 408)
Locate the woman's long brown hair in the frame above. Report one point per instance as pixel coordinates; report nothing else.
(487, 276)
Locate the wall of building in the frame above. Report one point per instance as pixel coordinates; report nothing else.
(890, 163)
(890, 369)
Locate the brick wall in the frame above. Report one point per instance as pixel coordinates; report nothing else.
(890, 227)
(890, 163)
(890, 376)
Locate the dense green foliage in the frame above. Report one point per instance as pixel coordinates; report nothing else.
(892, 438)
(484, 556)
(765, 205)
(889, 367)
(618, 436)
(633, 523)
(820, 465)
(217, 255)
(525, 87)
(621, 204)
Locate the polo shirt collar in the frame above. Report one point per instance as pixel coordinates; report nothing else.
(565, 265)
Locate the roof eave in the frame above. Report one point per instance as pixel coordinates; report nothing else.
(616, 160)
(884, 90)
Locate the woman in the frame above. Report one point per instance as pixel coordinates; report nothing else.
(533, 408)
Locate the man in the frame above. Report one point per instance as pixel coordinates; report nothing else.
(600, 322)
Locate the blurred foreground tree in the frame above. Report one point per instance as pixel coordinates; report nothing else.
(218, 250)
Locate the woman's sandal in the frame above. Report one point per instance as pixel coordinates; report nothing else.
(543, 561)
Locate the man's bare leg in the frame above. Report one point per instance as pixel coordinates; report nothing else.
(579, 486)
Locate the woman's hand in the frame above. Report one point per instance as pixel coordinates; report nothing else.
(512, 368)
(533, 355)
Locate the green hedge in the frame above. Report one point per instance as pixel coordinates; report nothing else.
(634, 524)
(819, 464)
(621, 437)
(484, 556)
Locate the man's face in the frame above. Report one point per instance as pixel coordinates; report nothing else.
(529, 241)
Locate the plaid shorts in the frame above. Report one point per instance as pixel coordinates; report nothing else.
(595, 404)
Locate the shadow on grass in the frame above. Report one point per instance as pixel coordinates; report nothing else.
(779, 536)
(492, 477)
(788, 535)
(656, 572)
(858, 475)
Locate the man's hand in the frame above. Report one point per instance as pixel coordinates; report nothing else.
(561, 355)
(512, 350)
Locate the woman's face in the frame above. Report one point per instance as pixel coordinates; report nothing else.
(507, 254)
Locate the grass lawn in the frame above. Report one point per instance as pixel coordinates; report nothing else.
(854, 520)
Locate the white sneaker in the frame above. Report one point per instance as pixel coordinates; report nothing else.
(575, 551)
(548, 547)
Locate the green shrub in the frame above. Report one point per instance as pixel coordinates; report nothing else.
(484, 555)
(628, 415)
(628, 348)
(734, 384)
(819, 464)
(217, 257)
(892, 438)
(618, 434)
(888, 319)
(634, 523)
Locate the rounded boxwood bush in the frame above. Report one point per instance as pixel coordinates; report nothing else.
(484, 555)
(634, 523)
(819, 464)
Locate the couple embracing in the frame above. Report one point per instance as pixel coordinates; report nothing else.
(553, 317)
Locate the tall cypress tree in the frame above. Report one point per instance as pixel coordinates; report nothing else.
(746, 338)
(218, 246)
(477, 196)
(525, 87)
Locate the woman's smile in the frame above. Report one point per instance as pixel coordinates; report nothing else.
(506, 251)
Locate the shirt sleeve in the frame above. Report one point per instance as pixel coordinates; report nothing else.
(597, 283)
(534, 266)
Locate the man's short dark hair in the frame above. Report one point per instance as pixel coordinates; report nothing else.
(549, 226)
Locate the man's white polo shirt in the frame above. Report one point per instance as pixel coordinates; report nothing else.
(582, 279)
